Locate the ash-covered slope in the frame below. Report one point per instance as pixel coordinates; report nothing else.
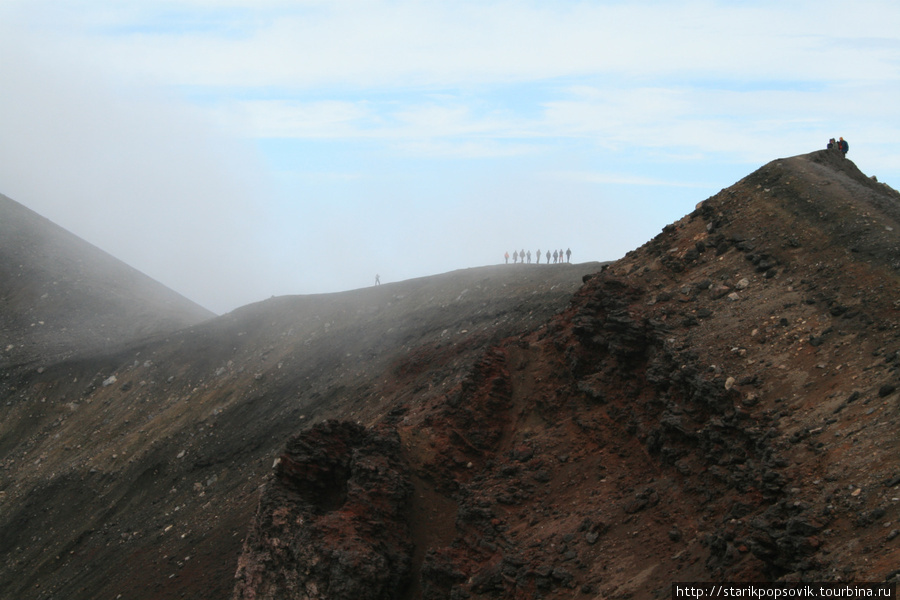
(60, 295)
(720, 404)
(136, 472)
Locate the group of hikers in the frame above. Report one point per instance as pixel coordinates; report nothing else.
(841, 145)
(522, 257)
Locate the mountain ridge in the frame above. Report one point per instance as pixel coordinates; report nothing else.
(719, 404)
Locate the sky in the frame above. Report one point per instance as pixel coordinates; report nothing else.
(238, 149)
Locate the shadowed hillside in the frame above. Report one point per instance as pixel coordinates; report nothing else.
(60, 295)
(720, 404)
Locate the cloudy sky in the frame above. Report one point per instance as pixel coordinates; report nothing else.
(239, 149)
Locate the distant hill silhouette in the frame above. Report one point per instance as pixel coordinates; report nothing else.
(59, 294)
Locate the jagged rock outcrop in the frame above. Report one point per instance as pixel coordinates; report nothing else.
(331, 523)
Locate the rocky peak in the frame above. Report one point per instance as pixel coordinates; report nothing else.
(707, 408)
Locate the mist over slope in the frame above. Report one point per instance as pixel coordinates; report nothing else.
(124, 463)
(60, 295)
(720, 404)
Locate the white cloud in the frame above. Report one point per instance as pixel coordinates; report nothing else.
(441, 43)
(292, 119)
(614, 53)
(465, 149)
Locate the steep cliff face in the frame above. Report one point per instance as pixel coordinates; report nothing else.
(720, 404)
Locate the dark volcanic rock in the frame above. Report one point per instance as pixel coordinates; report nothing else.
(332, 521)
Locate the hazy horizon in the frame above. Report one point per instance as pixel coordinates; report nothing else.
(238, 150)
